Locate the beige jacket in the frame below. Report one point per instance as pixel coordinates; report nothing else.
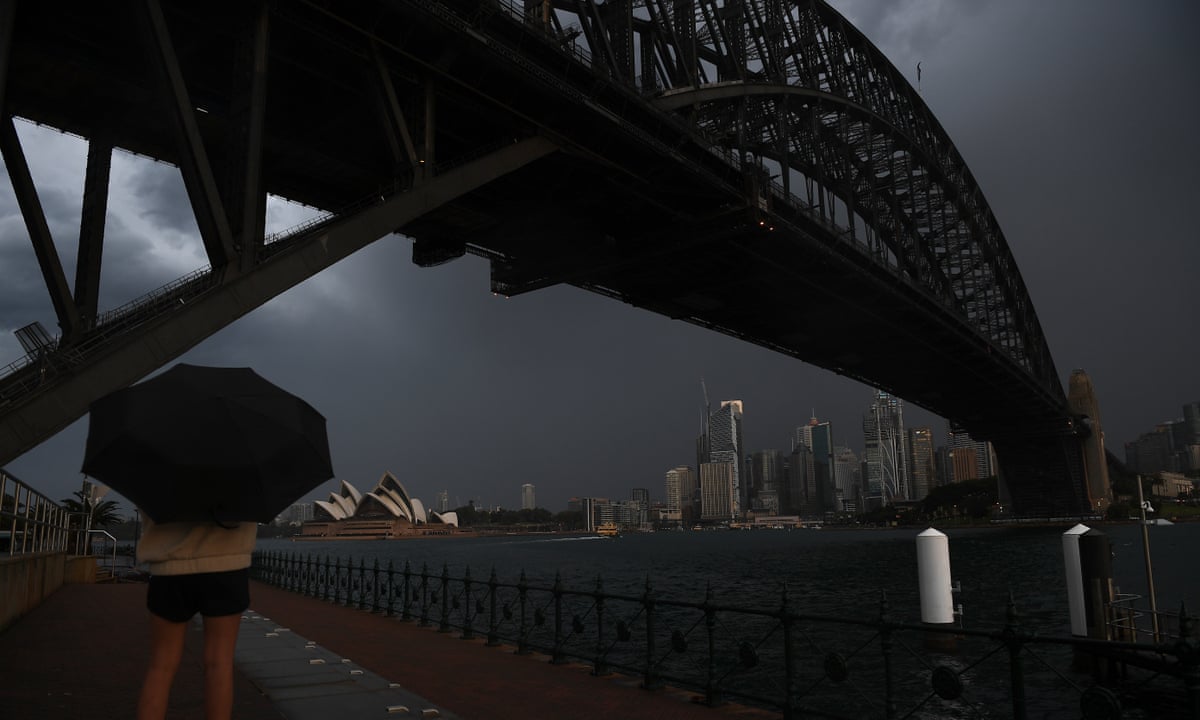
(187, 548)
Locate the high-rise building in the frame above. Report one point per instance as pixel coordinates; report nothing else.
(766, 477)
(922, 462)
(822, 490)
(795, 490)
(443, 501)
(640, 497)
(847, 478)
(717, 491)
(682, 494)
(885, 450)
(721, 442)
(527, 500)
(969, 458)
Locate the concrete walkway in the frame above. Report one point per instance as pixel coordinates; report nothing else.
(82, 653)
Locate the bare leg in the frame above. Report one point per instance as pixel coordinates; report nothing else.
(166, 648)
(220, 639)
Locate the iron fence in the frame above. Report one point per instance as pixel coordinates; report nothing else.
(775, 657)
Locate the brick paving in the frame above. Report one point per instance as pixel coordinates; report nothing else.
(81, 654)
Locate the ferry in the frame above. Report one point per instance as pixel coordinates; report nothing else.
(607, 529)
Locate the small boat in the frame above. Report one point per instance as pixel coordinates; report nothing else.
(607, 529)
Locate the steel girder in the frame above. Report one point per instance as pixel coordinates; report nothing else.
(793, 83)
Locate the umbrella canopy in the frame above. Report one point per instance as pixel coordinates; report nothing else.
(203, 443)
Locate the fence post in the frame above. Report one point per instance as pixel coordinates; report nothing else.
(885, 646)
(361, 584)
(1013, 639)
(493, 637)
(556, 657)
(468, 632)
(375, 586)
(444, 625)
(649, 679)
(1187, 651)
(391, 593)
(424, 590)
(310, 582)
(324, 583)
(406, 596)
(789, 657)
(712, 697)
(600, 666)
(522, 632)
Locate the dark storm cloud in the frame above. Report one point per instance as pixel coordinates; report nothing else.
(1074, 117)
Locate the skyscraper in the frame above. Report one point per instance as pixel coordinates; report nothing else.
(847, 478)
(821, 481)
(640, 499)
(527, 500)
(922, 461)
(766, 478)
(724, 445)
(969, 458)
(885, 449)
(717, 491)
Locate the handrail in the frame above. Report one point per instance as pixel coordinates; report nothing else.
(30, 522)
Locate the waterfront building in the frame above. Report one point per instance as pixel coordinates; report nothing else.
(387, 511)
(969, 458)
(717, 491)
(885, 452)
(682, 490)
(766, 477)
(595, 512)
(528, 502)
(922, 461)
(847, 478)
(822, 489)
(640, 498)
(725, 445)
(799, 469)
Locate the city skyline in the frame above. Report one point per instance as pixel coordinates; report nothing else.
(515, 390)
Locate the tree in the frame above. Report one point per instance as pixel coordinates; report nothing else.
(103, 513)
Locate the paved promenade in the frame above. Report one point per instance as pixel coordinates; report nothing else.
(82, 652)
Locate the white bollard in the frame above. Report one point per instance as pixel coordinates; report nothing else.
(933, 574)
(1075, 599)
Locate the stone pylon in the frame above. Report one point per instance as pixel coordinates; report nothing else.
(1081, 397)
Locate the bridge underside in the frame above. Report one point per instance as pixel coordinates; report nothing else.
(397, 121)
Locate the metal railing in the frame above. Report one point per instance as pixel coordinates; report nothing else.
(798, 664)
(30, 522)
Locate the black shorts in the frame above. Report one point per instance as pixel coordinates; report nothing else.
(177, 598)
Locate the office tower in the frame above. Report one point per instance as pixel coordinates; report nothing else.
(822, 491)
(717, 491)
(885, 451)
(682, 494)
(846, 479)
(443, 501)
(1081, 398)
(723, 441)
(795, 490)
(922, 461)
(527, 501)
(766, 478)
(640, 497)
(969, 458)
(945, 468)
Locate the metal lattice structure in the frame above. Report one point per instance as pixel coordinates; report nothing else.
(758, 168)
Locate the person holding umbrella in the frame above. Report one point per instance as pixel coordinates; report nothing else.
(206, 454)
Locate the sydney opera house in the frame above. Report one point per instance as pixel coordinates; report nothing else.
(388, 511)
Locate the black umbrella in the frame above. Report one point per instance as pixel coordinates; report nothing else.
(200, 443)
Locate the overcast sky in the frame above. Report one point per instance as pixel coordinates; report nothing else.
(1076, 118)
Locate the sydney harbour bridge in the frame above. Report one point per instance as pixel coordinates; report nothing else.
(756, 167)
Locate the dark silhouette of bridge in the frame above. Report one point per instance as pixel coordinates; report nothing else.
(752, 166)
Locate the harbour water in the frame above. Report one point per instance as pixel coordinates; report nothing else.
(826, 572)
